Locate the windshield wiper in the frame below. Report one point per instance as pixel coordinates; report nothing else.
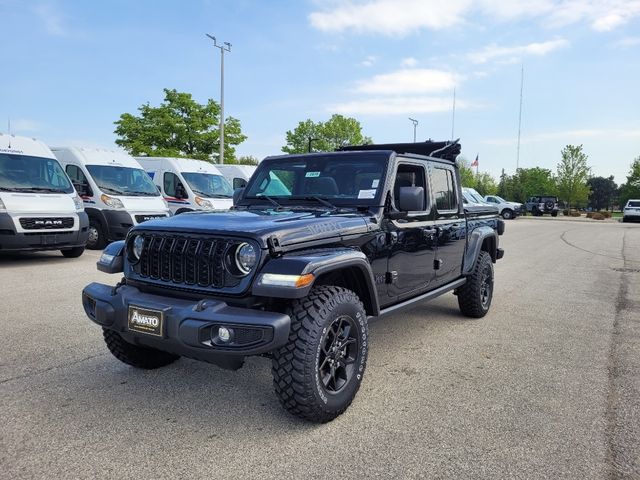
(39, 189)
(277, 205)
(112, 191)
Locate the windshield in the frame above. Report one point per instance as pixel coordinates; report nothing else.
(24, 173)
(344, 179)
(500, 199)
(118, 180)
(475, 195)
(208, 184)
(634, 204)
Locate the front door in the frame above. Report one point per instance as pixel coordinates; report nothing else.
(450, 223)
(411, 240)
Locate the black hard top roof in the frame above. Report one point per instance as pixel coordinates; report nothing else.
(447, 150)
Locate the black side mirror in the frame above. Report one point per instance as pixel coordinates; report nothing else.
(237, 195)
(180, 192)
(411, 199)
(83, 189)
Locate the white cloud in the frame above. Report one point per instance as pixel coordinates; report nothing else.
(569, 135)
(408, 81)
(627, 42)
(403, 105)
(409, 62)
(402, 17)
(493, 52)
(369, 61)
(51, 18)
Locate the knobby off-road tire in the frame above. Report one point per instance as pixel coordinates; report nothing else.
(312, 379)
(134, 355)
(474, 297)
(72, 252)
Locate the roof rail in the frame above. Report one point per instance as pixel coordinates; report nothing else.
(447, 150)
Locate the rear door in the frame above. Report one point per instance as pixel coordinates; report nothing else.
(449, 222)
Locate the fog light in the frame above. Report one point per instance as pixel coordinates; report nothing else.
(224, 334)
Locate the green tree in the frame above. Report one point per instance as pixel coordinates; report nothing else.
(325, 136)
(573, 173)
(485, 184)
(525, 183)
(631, 189)
(467, 177)
(178, 127)
(603, 192)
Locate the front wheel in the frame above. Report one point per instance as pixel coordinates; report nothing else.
(134, 355)
(317, 374)
(72, 252)
(97, 239)
(507, 214)
(474, 297)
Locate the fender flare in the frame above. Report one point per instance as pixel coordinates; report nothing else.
(474, 246)
(98, 215)
(320, 262)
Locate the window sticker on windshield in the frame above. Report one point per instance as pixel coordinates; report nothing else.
(375, 183)
(367, 193)
(312, 174)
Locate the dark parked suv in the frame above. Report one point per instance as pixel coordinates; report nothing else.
(314, 247)
(540, 204)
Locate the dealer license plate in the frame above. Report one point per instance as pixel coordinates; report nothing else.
(144, 320)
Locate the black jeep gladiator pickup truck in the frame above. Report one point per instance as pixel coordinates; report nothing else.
(314, 246)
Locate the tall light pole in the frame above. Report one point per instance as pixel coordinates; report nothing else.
(520, 116)
(225, 47)
(415, 124)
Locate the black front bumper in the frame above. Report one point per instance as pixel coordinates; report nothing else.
(188, 326)
(12, 241)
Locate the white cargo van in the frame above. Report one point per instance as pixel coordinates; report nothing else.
(238, 175)
(39, 209)
(188, 184)
(116, 191)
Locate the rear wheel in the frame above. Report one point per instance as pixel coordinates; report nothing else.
(317, 374)
(474, 297)
(554, 213)
(72, 252)
(97, 238)
(507, 214)
(134, 355)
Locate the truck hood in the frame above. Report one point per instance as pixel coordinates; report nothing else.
(38, 202)
(289, 227)
(142, 204)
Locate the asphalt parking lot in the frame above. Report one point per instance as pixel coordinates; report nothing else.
(546, 386)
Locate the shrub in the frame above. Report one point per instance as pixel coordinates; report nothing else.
(606, 214)
(590, 214)
(565, 212)
(597, 216)
(574, 213)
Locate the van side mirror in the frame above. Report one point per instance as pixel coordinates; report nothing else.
(180, 192)
(83, 189)
(237, 195)
(411, 199)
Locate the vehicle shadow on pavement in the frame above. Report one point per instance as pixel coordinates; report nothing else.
(27, 259)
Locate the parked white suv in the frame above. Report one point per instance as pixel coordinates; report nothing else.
(507, 209)
(631, 211)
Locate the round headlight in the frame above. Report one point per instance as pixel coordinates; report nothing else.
(138, 244)
(246, 257)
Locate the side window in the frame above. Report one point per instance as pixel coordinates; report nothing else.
(444, 189)
(172, 185)
(76, 175)
(239, 183)
(409, 175)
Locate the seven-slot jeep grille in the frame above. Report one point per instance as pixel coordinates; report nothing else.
(46, 223)
(185, 260)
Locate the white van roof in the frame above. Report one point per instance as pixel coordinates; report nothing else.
(183, 164)
(242, 170)
(98, 156)
(16, 145)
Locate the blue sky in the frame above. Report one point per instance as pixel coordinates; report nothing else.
(70, 68)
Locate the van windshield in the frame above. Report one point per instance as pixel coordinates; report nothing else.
(24, 173)
(208, 185)
(118, 180)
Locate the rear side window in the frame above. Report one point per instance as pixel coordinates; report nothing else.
(444, 190)
(634, 204)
